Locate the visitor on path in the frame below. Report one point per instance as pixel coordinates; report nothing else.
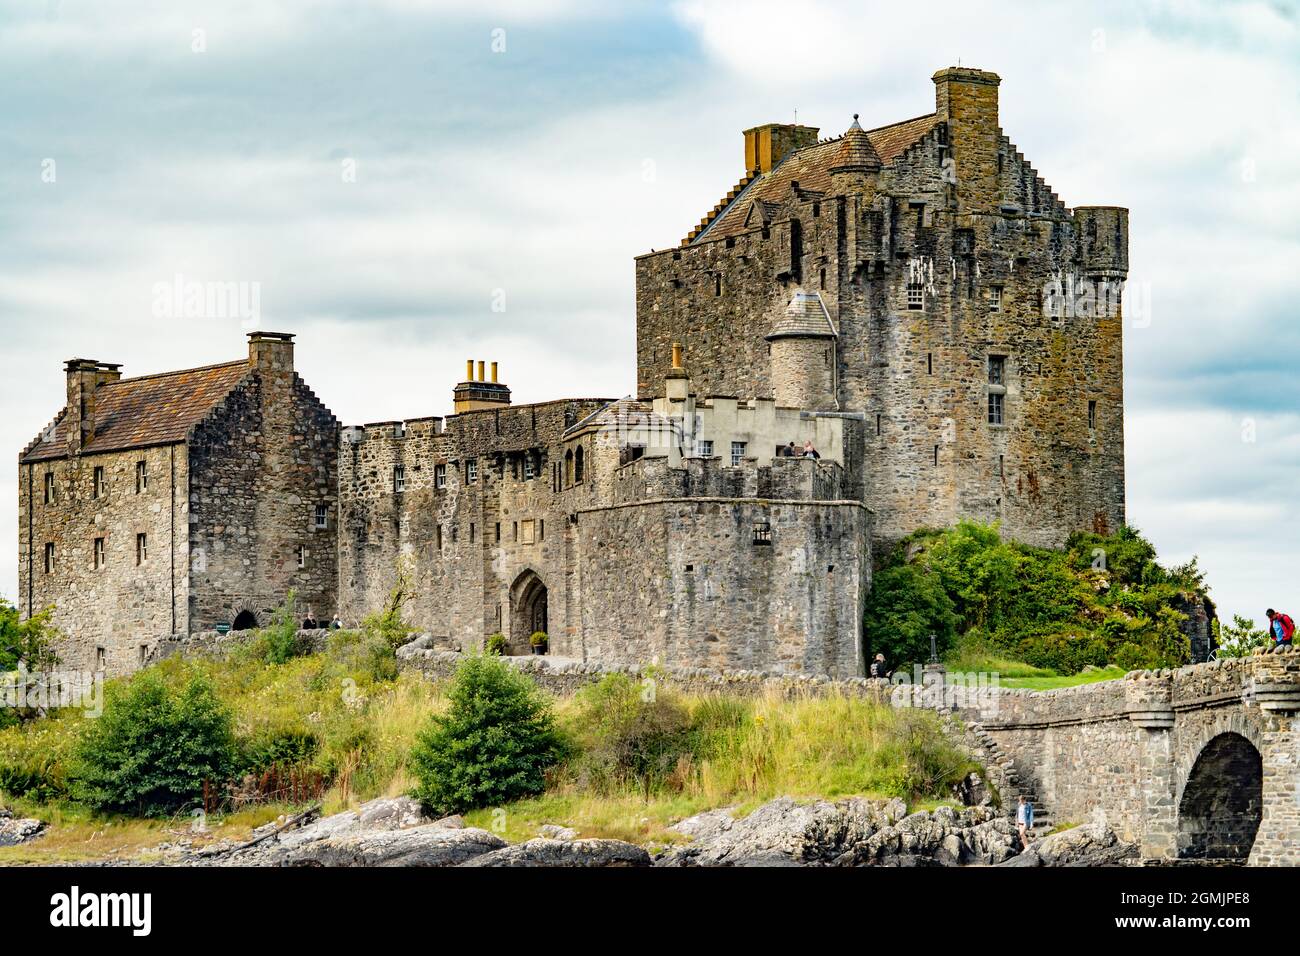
(1281, 629)
(809, 451)
(878, 667)
(1024, 821)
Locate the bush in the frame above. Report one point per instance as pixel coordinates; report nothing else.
(538, 638)
(279, 641)
(906, 605)
(1241, 638)
(497, 645)
(29, 642)
(493, 745)
(151, 750)
(629, 733)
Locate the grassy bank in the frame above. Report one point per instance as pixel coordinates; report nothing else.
(346, 720)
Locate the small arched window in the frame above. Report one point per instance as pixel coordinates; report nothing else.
(577, 466)
(568, 468)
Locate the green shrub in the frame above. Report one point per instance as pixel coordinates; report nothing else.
(152, 749)
(497, 645)
(494, 744)
(629, 734)
(538, 638)
(1241, 638)
(389, 625)
(279, 641)
(30, 642)
(906, 605)
(277, 746)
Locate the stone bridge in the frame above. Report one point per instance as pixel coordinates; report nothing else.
(1196, 763)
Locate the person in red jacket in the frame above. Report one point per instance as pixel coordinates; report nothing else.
(1281, 628)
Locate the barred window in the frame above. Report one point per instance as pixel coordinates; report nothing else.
(915, 296)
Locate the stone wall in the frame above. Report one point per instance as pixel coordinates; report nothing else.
(260, 465)
(728, 584)
(111, 614)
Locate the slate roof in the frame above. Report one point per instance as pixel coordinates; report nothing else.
(811, 167)
(144, 411)
(806, 316)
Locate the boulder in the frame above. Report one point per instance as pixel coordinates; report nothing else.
(392, 813)
(17, 830)
(551, 831)
(542, 852)
(428, 845)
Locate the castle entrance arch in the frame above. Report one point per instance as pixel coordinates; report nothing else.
(528, 610)
(1222, 801)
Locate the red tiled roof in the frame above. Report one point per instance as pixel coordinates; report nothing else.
(811, 167)
(149, 410)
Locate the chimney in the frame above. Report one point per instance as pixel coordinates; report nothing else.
(475, 393)
(270, 351)
(677, 383)
(767, 145)
(966, 100)
(85, 376)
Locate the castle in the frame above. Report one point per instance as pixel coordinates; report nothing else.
(912, 299)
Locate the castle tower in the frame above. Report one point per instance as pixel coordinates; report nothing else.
(803, 354)
(475, 393)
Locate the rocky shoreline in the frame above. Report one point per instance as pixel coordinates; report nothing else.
(781, 832)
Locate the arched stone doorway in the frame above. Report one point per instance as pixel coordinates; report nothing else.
(1222, 801)
(244, 621)
(528, 611)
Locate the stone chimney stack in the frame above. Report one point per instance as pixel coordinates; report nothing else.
(84, 378)
(475, 393)
(767, 145)
(966, 101)
(270, 351)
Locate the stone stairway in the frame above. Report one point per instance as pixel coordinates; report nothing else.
(1011, 785)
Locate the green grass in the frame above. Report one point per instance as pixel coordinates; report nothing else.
(742, 753)
(1087, 676)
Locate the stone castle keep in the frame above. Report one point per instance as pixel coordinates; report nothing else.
(912, 299)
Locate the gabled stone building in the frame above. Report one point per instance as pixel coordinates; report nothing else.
(168, 504)
(972, 317)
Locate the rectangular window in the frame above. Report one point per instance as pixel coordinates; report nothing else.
(1092, 414)
(439, 537)
(936, 456)
(528, 530)
(915, 296)
(541, 529)
(530, 468)
(471, 471)
(514, 530)
(302, 557)
(472, 530)
(322, 517)
(97, 482)
(706, 449)
(144, 654)
(49, 558)
(996, 403)
(440, 477)
(49, 487)
(399, 478)
(995, 298)
(878, 424)
(141, 548)
(101, 659)
(498, 533)
(762, 532)
(997, 369)
(99, 554)
(141, 477)
(737, 453)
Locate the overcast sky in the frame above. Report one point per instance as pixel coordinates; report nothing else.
(410, 183)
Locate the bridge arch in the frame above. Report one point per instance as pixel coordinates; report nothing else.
(1222, 798)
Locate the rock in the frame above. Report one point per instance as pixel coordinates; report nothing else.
(14, 831)
(453, 822)
(544, 852)
(392, 813)
(551, 831)
(1091, 844)
(707, 822)
(428, 845)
